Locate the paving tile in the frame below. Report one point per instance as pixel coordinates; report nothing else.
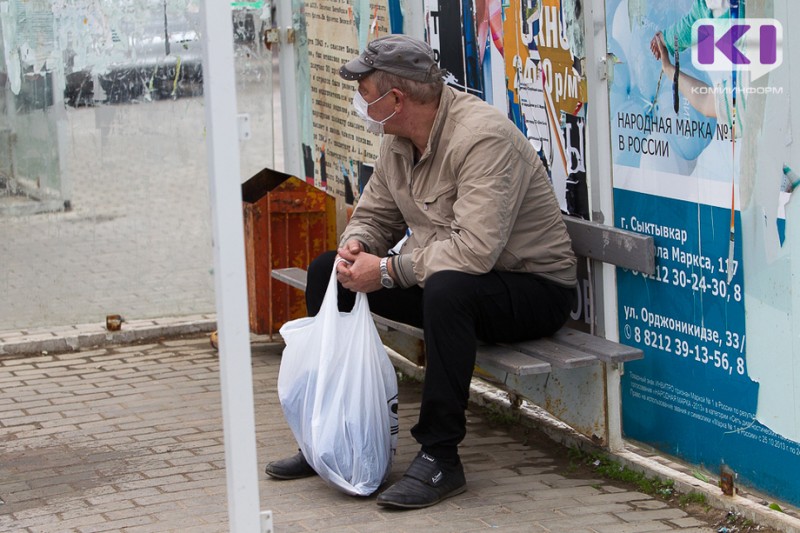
(132, 439)
(655, 514)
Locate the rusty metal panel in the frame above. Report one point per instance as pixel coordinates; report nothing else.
(576, 396)
(256, 245)
(287, 224)
(282, 299)
(294, 201)
(291, 251)
(409, 347)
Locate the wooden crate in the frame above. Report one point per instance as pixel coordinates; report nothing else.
(287, 223)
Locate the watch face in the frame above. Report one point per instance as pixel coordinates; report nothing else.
(387, 282)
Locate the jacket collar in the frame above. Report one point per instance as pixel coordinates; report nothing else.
(441, 117)
(403, 146)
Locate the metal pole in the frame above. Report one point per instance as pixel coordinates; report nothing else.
(601, 185)
(287, 64)
(229, 268)
(602, 196)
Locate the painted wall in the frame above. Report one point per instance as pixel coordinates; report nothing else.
(718, 321)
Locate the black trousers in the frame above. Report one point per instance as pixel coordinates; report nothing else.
(455, 310)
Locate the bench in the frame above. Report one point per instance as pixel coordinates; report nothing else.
(579, 395)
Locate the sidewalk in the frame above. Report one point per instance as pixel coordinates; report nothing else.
(128, 437)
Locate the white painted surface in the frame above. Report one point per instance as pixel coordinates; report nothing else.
(229, 267)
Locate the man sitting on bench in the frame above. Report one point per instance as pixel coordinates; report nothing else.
(488, 256)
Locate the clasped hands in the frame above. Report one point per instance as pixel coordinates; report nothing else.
(360, 271)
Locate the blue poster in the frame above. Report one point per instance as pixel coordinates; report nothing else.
(678, 136)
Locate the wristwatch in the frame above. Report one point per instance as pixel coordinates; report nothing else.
(386, 279)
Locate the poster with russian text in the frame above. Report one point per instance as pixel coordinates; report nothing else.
(683, 172)
(546, 87)
(342, 151)
(526, 58)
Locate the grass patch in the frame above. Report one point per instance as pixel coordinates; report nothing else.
(607, 468)
(697, 498)
(500, 417)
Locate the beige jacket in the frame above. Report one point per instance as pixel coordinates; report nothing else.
(478, 199)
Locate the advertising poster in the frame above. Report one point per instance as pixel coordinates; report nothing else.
(343, 151)
(546, 87)
(450, 30)
(683, 172)
(525, 57)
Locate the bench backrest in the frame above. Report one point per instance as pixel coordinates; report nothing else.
(612, 245)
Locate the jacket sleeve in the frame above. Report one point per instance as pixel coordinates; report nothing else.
(489, 192)
(683, 28)
(376, 220)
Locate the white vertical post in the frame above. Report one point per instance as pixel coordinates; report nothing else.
(229, 268)
(287, 64)
(601, 187)
(414, 20)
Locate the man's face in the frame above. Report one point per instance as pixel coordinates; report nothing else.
(379, 108)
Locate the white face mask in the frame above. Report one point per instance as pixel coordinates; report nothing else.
(362, 110)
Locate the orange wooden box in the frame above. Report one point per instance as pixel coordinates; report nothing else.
(287, 223)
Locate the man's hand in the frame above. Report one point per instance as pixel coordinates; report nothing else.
(350, 250)
(360, 271)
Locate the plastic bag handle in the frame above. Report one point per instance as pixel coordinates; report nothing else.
(330, 304)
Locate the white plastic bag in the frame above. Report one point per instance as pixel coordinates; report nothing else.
(338, 391)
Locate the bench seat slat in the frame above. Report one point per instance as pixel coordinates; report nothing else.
(296, 277)
(604, 349)
(558, 355)
(390, 325)
(568, 348)
(513, 362)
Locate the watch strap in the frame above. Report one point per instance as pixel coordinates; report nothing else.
(386, 280)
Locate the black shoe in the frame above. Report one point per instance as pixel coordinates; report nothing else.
(425, 483)
(294, 467)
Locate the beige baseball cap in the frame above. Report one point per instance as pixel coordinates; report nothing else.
(397, 54)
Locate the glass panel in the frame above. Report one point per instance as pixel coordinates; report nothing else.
(254, 83)
(30, 173)
(104, 201)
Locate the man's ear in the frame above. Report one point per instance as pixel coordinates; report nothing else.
(399, 99)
